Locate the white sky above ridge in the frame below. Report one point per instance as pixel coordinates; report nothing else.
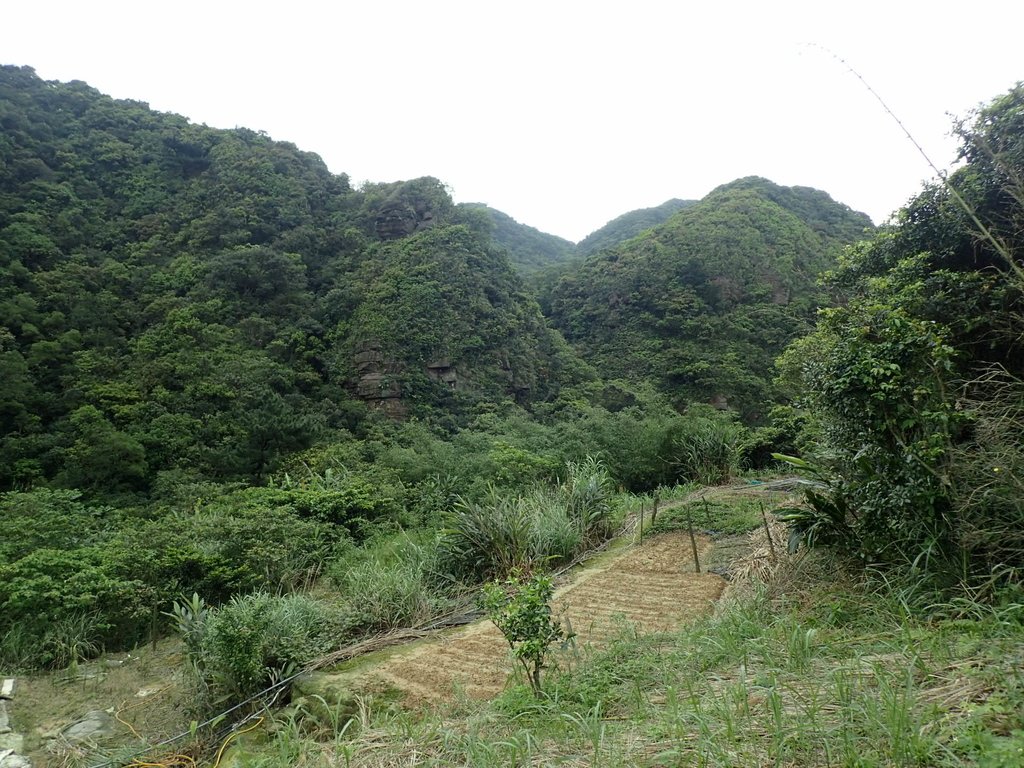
(563, 115)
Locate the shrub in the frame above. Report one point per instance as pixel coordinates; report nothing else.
(235, 544)
(515, 467)
(632, 443)
(878, 380)
(783, 434)
(704, 446)
(44, 518)
(502, 533)
(521, 609)
(74, 599)
(253, 641)
(922, 442)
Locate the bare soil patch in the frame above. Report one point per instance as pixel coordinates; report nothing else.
(143, 691)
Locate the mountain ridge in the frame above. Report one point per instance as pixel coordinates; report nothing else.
(703, 302)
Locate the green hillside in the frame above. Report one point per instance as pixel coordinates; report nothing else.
(529, 249)
(629, 225)
(257, 427)
(703, 303)
(180, 300)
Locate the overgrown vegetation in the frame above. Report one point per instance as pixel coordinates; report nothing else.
(501, 534)
(820, 665)
(627, 226)
(257, 639)
(701, 305)
(913, 386)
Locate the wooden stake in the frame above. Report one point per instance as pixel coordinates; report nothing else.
(693, 542)
(767, 530)
(641, 522)
(654, 510)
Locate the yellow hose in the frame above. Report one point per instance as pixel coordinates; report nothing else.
(233, 734)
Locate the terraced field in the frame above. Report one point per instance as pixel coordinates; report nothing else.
(650, 587)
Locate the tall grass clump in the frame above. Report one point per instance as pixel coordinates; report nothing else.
(555, 535)
(489, 536)
(987, 474)
(705, 446)
(500, 533)
(587, 494)
(392, 582)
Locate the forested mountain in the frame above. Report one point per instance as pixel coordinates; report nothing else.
(182, 301)
(629, 225)
(247, 404)
(529, 249)
(703, 303)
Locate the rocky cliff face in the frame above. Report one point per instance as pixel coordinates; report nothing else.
(443, 371)
(407, 207)
(399, 219)
(442, 320)
(377, 380)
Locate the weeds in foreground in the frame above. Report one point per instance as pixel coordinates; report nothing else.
(827, 670)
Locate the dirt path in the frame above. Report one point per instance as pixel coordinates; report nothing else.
(651, 586)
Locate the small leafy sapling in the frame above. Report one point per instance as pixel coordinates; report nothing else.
(190, 621)
(520, 607)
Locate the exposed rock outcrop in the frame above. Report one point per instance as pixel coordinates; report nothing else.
(95, 726)
(11, 744)
(442, 370)
(377, 380)
(400, 219)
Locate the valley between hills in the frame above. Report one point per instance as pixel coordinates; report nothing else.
(259, 424)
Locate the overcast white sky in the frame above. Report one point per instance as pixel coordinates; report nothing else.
(561, 114)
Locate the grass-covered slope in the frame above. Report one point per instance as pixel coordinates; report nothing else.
(703, 303)
(818, 669)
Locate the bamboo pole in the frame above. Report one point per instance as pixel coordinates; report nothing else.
(693, 542)
(767, 530)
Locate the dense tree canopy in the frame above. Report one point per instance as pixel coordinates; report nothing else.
(529, 249)
(225, 370)
(629, 225)
(703, 303)
(182, 301)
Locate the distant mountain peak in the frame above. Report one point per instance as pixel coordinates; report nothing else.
(529, 250)
(629, 225)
